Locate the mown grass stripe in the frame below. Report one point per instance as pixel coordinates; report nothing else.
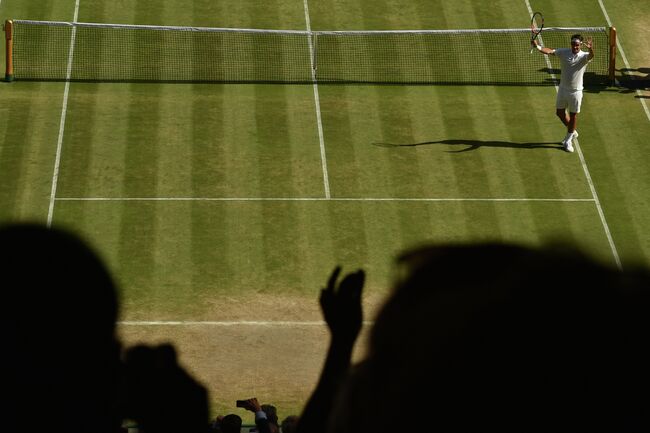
(274, 171)
(42, 10)
(13, 150)
(207, 152)
(210, 232)
(209, 228)
(395, 124)
(338, 127)
(80, 150)
(281, 252)
(350, 243)
(173, 254)
(137, 237)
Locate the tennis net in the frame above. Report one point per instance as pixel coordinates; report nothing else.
(49, 50)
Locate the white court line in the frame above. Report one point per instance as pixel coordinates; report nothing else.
(321, 138)
(619, 46)
(353, 199)
(64, 111)
(227, 323)
(583, 162)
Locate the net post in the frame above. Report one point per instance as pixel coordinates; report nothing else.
(612, 55)
(9, 43)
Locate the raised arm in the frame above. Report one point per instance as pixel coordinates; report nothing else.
(261, 419)
(341, 307)
(590, 46)
(543, 50)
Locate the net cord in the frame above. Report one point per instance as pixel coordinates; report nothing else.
(301, 32)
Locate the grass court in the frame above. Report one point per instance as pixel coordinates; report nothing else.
(222, 208)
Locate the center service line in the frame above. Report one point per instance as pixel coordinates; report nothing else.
(64, 111)
(321, 139)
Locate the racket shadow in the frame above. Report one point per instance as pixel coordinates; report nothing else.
(477, 144)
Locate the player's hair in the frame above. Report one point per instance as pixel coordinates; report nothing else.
(576, 36)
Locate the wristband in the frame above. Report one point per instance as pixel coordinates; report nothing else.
(538, 48)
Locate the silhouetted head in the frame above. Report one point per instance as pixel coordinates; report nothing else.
(60, 356)
(231, 424)
(289, 424)
(272, 415)
(507, 338)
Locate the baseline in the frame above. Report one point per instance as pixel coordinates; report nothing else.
(358, 199)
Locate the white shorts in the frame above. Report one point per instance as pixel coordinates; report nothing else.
(567, 99)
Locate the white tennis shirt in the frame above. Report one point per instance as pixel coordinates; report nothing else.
(573, 68)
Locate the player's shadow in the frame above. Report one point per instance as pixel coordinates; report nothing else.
(477, 144)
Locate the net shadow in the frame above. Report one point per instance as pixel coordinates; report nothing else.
(632, 80)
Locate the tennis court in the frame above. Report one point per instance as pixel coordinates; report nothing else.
(222, 208)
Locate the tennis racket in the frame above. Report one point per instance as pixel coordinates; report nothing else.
(536, 26)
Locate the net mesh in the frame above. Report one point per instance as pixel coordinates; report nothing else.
(104, 52)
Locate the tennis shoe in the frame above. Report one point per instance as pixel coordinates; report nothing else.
(575, 134)
(567, 146)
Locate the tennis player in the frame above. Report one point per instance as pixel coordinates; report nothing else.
(569, 96)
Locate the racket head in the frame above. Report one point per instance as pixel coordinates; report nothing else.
(536, 25)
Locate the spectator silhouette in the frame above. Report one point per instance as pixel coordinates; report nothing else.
(227, 424)
(289, 424)
(505, 338)
(60, 357)
(272, 415)
(262, 419)
(160, 395)
(60, 362)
